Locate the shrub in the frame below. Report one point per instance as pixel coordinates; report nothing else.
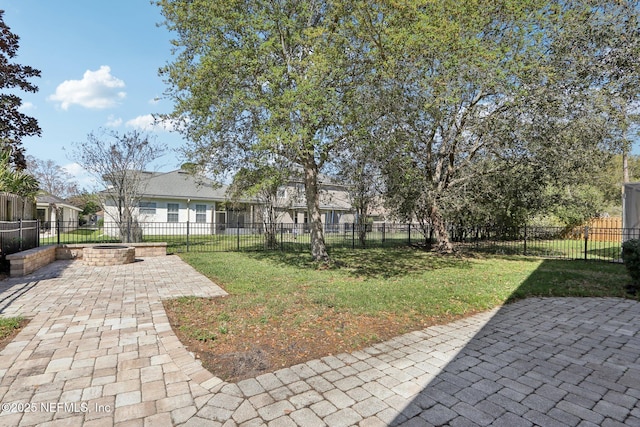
(631, 258)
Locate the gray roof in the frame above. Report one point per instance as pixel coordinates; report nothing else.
(49, 199)
(180, 184)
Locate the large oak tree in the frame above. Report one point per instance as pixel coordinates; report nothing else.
(475, 89)
(261, 76)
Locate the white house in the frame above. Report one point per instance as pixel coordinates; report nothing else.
(171, 199)
(51, 209)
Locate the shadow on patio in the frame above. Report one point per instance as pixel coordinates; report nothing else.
(537, 361)
(13, 287)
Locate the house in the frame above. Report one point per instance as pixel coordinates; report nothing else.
(176, 198)
(335, 203)
(51, 209)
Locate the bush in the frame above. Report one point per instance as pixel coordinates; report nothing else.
(631, 258)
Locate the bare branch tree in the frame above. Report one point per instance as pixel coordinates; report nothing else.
(53, 178)
(118, 162)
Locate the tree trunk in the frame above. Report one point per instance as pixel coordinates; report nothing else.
(318, 247)
(362, 225)
(443, 244)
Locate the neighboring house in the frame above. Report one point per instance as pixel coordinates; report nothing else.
(335, 205)
(173, 198)
(51, 209)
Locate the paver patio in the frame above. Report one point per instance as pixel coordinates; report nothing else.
(99, 351)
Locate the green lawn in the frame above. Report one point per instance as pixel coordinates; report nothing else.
(80, 235)
(400, 280)
(561, 248)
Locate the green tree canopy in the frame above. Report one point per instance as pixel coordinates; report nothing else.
(254, 77)
(14, 125)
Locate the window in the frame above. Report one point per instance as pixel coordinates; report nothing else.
(147, 208)
(172, 212)
(201, 213)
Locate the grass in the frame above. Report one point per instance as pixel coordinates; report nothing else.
(80, 235)
(9, 328)
(401, 280)
(284, 301)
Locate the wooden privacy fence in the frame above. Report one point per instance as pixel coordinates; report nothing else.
(18, 224)
(16, 236)
(605, 229)
(14, 207)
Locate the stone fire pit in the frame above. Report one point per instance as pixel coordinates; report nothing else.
(108, 255)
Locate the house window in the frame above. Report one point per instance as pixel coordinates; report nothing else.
(147, 208)
(201, 213)
(172, 212)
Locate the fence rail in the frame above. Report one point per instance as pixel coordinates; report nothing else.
(16, 236)
(589, 243)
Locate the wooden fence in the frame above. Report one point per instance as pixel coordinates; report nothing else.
(605, 229)
(18, 224)
(14, 207)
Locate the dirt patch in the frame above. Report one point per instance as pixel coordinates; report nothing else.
(236, 345)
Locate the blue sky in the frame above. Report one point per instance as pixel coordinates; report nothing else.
(99, 62)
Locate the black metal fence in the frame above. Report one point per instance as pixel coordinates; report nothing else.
(16, 236)
(589, 243)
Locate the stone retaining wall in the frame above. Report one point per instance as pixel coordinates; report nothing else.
(26, 262)
(102, 255)
(74, 251)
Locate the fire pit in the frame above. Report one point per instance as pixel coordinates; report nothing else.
(108, 255)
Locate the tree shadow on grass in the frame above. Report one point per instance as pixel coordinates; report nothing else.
(370, 263)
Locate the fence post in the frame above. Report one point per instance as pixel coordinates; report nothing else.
(586, 241)
(238, 235)
(525, 239)
(282, 236)
(383, 231)
(187, 235)
(20, 238)
(409, 232)
(353, 235)
(37, 233)
(58, 230)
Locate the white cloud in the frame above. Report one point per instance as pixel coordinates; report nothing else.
(26, 106)
(97, 89)
(154, 101)
(147, 123)
(74, 169)
(113, 122)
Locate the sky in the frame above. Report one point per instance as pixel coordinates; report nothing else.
(99, 64)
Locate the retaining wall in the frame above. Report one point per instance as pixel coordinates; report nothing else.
(26, 262)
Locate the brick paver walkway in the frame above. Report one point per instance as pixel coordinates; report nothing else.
(100, 352)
